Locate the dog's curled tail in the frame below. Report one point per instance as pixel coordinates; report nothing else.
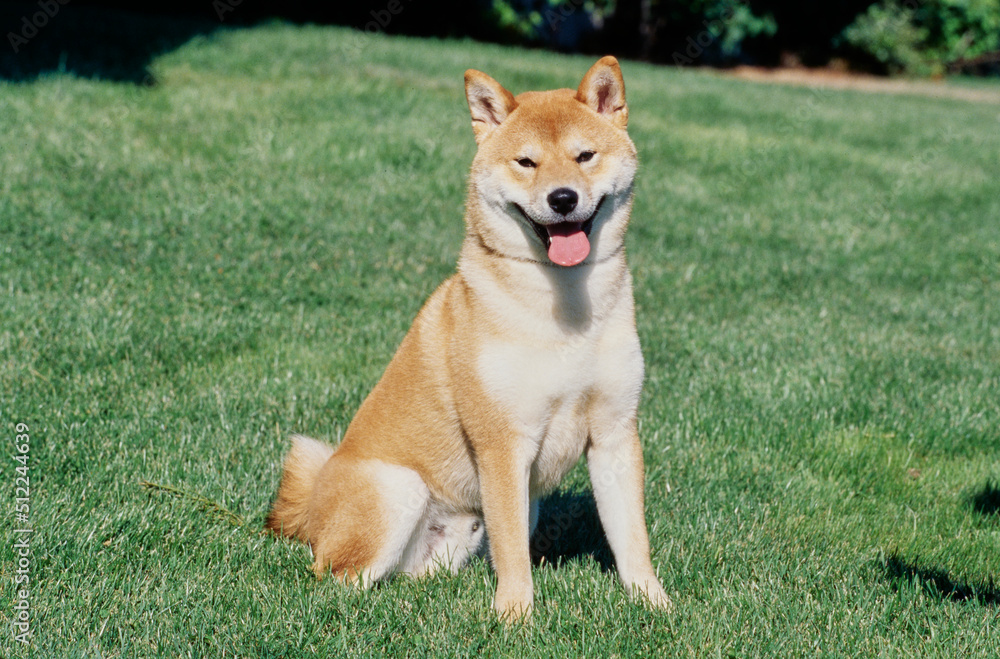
(302, 465)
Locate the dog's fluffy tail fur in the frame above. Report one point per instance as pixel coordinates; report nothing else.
(302, 465)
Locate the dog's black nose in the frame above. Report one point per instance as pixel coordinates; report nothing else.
(563, 200)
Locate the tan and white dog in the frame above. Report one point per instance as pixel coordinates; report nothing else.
(517, 365)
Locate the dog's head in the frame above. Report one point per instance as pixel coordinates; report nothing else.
(552, 178)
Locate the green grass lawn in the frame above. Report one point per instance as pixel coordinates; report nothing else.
(193, 270)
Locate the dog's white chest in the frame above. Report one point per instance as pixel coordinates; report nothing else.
(529, 380)
(544, 392)
(548, 392)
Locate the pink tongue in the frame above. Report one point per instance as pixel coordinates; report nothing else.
(568, 244)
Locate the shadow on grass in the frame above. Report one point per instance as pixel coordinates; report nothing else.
(116, 40)
(987, 500)
(569, 528)
(90, 42)
(898, 570)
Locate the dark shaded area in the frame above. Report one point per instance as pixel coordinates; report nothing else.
(898, 570)
(117, 40)
(680, 33)
(569, 528)
(90, 42)
(808, 30)
(987, 500)
(984, 65)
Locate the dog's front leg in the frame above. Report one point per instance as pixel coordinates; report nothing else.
(616, 474)
(503, 483)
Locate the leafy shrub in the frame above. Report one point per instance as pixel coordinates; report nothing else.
(678, 31)
(961, 29)
(554, 23)
(926, 38)
(889, 33)
(736, 22)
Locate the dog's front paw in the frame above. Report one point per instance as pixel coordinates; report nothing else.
(650, 590)
(512, 605)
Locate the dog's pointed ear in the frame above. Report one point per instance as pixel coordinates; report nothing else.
(603, 90)
(489, 102)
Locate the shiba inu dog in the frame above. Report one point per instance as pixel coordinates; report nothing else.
(520, 363)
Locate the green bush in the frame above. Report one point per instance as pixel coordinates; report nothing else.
(677, 31)
(961, 29)
(732, 21)
(926, 38)
(888, 32)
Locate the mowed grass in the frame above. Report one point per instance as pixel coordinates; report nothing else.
(192, 271)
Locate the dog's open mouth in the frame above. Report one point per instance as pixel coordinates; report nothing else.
(567, 243)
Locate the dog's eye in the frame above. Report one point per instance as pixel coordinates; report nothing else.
(475, 526)
(526, 162)
(585, 156)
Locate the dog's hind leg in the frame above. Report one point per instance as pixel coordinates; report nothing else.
(365, 515)
(447, 540)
